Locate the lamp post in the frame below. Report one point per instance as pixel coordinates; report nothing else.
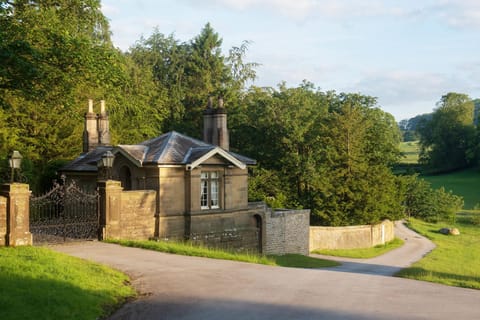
(107, 162)
(15, 161)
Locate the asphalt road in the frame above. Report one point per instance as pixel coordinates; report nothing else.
(180, 287)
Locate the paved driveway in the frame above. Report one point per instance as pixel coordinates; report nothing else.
(180, 287)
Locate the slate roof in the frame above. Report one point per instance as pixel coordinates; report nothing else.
(168, 149)
(87, 162)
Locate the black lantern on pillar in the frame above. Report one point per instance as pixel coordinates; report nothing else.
(107, 163)
(15, 162)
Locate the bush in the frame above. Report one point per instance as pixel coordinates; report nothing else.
(423, 202)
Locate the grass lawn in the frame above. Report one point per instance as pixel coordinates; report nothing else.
(410, 151)
(363, 253)
(289, 260)
(456, 260)
(38, 283)
(463, 183)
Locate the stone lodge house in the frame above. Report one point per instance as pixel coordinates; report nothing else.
(201, 187)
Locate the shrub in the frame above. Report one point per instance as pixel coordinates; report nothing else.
(423, 202)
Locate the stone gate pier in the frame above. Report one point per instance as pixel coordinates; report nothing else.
(15, 215)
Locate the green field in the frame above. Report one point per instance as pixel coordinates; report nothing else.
(410, 151)
(463, 183)
(456, 260)
(38, 283)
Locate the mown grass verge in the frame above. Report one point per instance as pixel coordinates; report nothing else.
(455, 261)
(38, 283)
(363, 253)
(188, 249)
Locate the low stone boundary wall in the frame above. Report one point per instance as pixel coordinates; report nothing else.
(351, 237)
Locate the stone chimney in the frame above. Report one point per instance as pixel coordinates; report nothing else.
(90, 131)
(96, 131)
(215, 129)
(103, 126)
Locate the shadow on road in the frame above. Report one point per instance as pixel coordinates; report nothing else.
(365, 268)
(221, 309)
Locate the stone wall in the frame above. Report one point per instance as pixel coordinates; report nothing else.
(137, 217)
(132, 215)
(351, 237)
(127, 214)
(286, 231)
(231, 230)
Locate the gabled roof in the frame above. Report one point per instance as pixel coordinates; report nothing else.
(197, 156)
(171, 148)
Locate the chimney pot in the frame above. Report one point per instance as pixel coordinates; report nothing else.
(102, 106)
(210, 102)
(220, 102)
(90, 106)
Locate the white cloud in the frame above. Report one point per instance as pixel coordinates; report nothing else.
(303, 9)
(408, 93)
(455, 13)
(460, 13)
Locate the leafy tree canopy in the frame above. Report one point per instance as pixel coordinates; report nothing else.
(448, 140)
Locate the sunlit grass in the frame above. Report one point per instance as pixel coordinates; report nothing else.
(188, 249)
(456, 260)
(37, 283)
(464, 183)
(410, 151)
(363, 253)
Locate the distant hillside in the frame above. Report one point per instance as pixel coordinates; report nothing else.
(476, 110)
(412, 123)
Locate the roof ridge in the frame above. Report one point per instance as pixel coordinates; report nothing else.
(165, 144)
(198, 141)
(127, 148)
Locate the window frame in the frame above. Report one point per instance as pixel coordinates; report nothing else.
(210, 190)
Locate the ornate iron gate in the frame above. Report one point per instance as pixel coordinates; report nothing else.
(64, 213)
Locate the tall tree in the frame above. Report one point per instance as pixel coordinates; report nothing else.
(187, 73)
(356, 184)
(55, 55)
(330, 151)
(447, 140)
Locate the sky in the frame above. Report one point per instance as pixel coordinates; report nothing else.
(407, 53)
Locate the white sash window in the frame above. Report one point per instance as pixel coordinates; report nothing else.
(209, 190)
